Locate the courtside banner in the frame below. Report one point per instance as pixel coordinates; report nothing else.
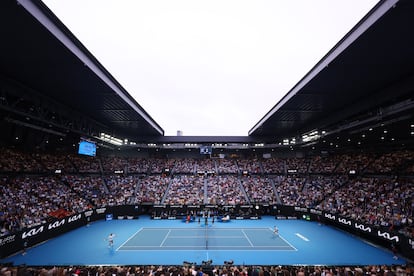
(380, 235)
(378, 232)
(30, 236)
(375, 233)
(10, 244)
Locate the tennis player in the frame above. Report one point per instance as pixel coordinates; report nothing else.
(275, 231)
(110, 240)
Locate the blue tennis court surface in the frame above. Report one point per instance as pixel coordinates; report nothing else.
(206, 238)
(171, 242)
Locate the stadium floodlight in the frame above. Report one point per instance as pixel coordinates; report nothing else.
(110, 139)
(311, 136)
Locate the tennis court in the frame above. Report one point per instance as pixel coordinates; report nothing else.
(250, 242)
(203, 238)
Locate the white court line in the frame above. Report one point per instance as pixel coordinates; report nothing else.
(165, 238)
(259, 248)
(202, 246)
(129, 239)
(244, 233)
(302, 237)
(201, 228)
(215, 250)
(288, 243)
(216, 237)
(284, 240)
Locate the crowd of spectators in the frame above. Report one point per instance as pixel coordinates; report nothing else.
(138, 165)
(227, 166)
(112, 164)
(297, 165)
(158, 165)
(86, 164)
(289, 188)
(152, 189)
(369, 163)
(274, 166)
(31, 191)
(251, 166)
(386, 202)
(122, 189)
(90, 188)
(206, 165)
(260, 190)
(389, 162)
(185, 166)
(409, 169)
(16, 161)
(212, 270)
(317, 187)
(186, 189)
(324, 164)
(225, 190)
(307, 191)
(27, 201)
(354, 162)
(52, 162)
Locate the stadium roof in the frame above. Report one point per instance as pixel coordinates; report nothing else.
(367, 76)
(365, 80)
(40, 53)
